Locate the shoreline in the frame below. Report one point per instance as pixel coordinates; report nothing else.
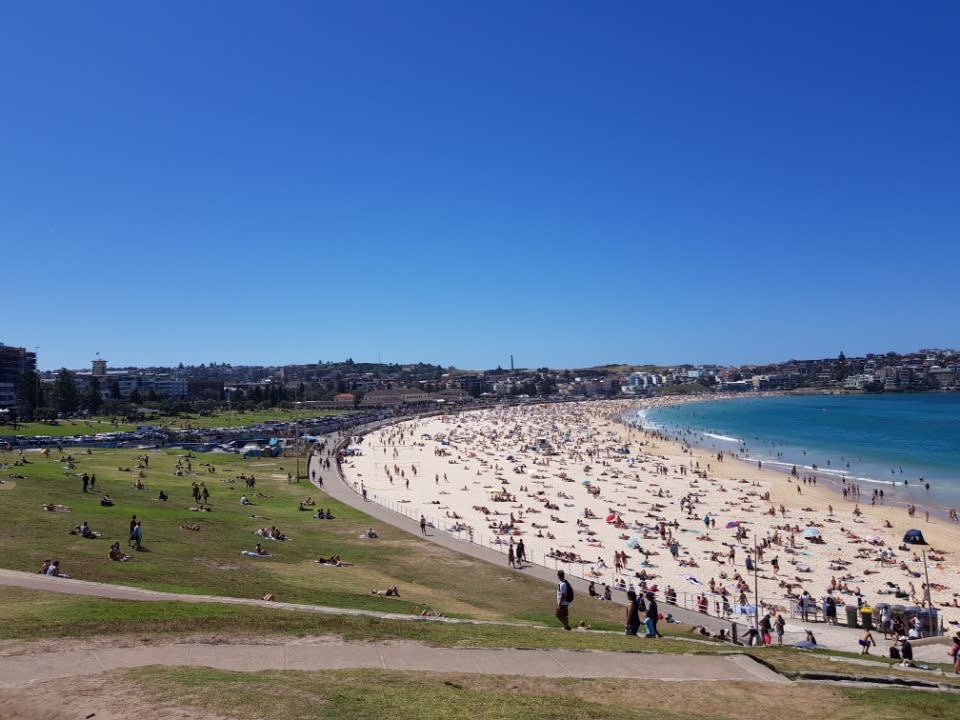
(830, 477)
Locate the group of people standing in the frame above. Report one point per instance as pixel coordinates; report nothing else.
(635, 606)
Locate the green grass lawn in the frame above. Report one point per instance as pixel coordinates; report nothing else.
(374, 695)
(63, 428)
(209, 561)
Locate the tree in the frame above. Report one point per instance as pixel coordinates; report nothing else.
(842, 357)
(135, 397)
(28, 393)
(92, 401)
(65, 389)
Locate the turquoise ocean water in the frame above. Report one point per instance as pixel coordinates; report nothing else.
(878, 441)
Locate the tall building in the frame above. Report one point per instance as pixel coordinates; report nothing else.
(14, 362)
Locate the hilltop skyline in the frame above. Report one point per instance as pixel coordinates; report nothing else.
(571, 185)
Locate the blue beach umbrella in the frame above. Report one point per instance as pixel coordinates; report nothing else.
(811, 532)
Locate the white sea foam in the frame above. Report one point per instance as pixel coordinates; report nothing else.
(725, 438)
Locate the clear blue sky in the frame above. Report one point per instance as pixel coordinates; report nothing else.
(452, 182)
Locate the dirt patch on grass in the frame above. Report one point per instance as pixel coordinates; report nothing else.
(103, 697)
(216, 564)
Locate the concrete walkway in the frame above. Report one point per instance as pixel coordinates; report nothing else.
(329, 653)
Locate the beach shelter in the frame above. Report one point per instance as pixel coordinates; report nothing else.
(732, 524)
(811, 532)
(914, 537)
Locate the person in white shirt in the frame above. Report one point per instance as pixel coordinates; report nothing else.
(563, 603)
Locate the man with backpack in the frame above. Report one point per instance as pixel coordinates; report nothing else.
(564, 598)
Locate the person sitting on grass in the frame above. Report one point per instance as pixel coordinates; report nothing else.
(83, 530)
(163, 496)
(244, 500)
(54, 570)
(116, 554)
(906, 653)
(105, 501)
(260, 550)
(389, 592)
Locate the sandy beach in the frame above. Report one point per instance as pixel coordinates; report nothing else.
(626, 508)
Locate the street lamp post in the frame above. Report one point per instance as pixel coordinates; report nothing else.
(296, 425)
(927, 595)
(756, 585)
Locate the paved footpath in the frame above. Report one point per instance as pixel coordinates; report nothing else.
(326, 653)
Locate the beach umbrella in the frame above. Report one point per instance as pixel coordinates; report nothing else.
(586, 483)
(611, 517)
(811, 532)
(633, 543)
(733, 524)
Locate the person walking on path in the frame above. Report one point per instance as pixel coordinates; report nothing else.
(511, 561)
(564, 598)
(136, 537)
(866, 640)
(779, 626)
(521, 553)
(423, 525)
(632, 625)
(652, 616)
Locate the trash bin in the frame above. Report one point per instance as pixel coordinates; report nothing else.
(852, 615)
(866, 617)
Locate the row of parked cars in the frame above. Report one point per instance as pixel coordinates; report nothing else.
(309, 430)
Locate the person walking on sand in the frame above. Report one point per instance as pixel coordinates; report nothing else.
(564, 598)
(423, 525)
